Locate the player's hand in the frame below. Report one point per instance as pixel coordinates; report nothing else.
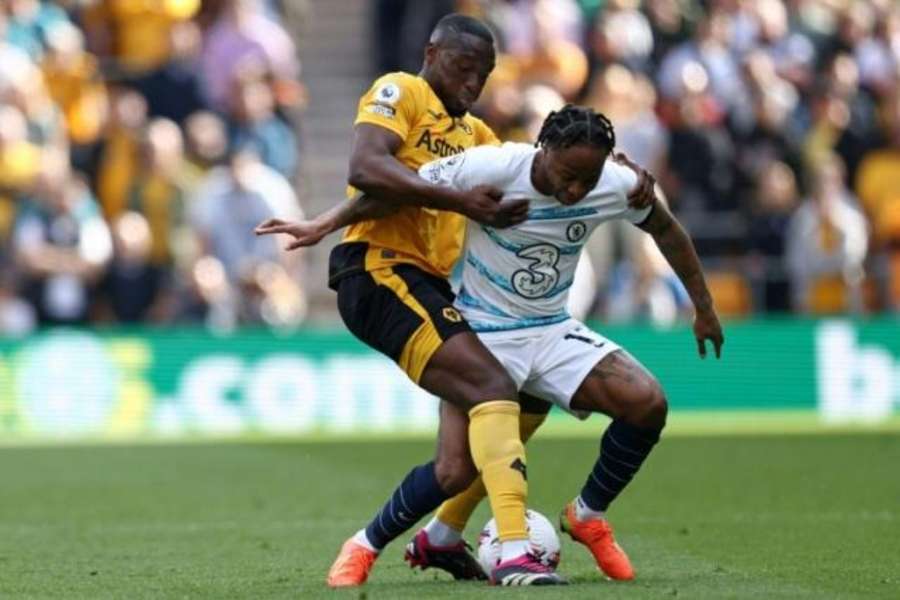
(707, 327)
(644, 193)
(305, 233)
(485, 205)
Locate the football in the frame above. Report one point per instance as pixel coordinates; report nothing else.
(543, 537)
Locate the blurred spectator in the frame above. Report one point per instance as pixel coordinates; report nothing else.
(243, 35)
(156, 190)
(878, 187)
(710, 50)
(255, 124)
(623, 35)
(645, 288)
(775, 200)
(119, 155)
(17, 316)
(19, 158)
(29, 22)
(73, 82)
(175, 89)
(206, 143)
(22, 85)
(245, 278)
(553, 58)
(878, 54)
(791, 51)
(859, 134)
(401, 29)
(136, 35)
(770, 133)
(701, 153)
(826, 245)
(538, 101)
(133, 283)
(672, 22)
(62, 245)
(629, 99)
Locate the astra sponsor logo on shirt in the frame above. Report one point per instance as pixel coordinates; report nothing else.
(437, 145)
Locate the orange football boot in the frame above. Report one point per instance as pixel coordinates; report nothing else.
(597, 535)
(352, 565)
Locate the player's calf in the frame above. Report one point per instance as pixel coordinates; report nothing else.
(621, 388)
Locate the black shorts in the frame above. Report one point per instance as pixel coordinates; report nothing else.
(401, 311)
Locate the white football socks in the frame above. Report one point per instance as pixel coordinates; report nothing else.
(583, 512)
(360, 538)
(441, 534)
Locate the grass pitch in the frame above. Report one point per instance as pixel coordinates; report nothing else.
(804, 516)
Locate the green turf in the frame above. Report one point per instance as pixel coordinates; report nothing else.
(709, 517)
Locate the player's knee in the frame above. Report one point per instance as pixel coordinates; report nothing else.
(455, 474)
(651, 408)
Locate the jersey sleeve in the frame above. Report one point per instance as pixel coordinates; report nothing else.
(392, 102)
(626, 181)
(481, 165)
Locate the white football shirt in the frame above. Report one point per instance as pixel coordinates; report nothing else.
(519, 277)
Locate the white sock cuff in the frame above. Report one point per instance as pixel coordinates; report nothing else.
(583, 512)
(362, 539)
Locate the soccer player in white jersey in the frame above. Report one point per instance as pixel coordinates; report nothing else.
(513, 293)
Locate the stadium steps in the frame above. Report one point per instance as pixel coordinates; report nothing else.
(335, 50)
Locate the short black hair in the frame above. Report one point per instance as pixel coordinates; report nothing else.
(573, 125)
(456, 24)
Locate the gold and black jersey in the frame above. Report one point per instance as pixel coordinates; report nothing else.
(430, 239)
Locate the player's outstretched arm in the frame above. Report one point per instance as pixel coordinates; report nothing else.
(311, 231)
(676, 245)
(375, 170)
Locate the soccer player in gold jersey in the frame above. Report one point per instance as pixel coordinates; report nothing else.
(390, 274)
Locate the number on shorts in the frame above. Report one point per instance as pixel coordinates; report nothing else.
(541, 276)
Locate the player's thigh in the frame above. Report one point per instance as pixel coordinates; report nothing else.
(619, 386)
(564, 355)
(491, 369)
(408, 315)
(376, 314)
(464, 372)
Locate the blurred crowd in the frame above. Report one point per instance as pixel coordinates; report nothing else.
(140, 142)
(773, 127)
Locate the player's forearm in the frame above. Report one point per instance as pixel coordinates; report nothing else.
(388, 180)
(361, 207)
(678, 249)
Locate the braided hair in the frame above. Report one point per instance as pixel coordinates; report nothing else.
(572, 125)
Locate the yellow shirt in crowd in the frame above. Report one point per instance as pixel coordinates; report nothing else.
(141, 28)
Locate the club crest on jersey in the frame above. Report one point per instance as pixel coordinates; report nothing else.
(387, 93)
(451, 314)
(575, 231)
